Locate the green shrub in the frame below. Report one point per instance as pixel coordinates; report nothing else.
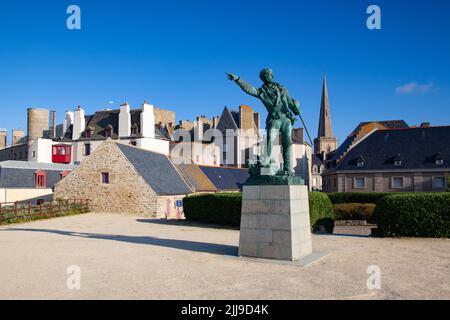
(321, 212)
(357, 197)
(219, 208)
(354, 211)
(414, 215)
(225, 209)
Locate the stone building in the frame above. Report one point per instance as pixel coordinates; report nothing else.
(70, 142)
(136, 127)
(120, 178)
(190, 144)
(240, 132)
(392, 160)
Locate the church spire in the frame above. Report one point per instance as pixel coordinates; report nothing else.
(325, 129)
(325, 141)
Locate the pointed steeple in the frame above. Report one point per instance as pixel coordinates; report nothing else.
(325, 129)
(325, 141)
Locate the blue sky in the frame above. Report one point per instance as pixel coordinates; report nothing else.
(174, 54)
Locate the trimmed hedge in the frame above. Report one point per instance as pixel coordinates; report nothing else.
(218, 208)
(321, 212)
(414, 215)
(357, 197)
(354, 211)
(225, 209)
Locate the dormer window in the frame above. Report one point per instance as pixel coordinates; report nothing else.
(439, 159)
(40, 179)
(397, 161)
(360, 162)
(108, 132)
(88, 133)
(134, 130)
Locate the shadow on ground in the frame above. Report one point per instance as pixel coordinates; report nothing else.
(204, 247)
(186, 223)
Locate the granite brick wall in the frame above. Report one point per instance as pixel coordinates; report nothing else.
(127, 191)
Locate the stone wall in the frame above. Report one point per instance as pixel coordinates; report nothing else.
(127, 191)
(166, 117)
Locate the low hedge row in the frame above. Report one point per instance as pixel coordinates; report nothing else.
(357, 197)
(414, 215)
(218, 208)
(225, 209)
(354, 211)
(321, 212)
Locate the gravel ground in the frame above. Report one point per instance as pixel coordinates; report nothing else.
(125, 257)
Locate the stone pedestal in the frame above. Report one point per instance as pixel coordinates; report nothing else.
(275, 222)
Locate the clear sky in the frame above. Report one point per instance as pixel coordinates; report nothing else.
(174, 54)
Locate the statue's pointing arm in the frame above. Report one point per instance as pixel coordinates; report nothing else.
(245, 86)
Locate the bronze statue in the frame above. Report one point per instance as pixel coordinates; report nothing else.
(282, 110)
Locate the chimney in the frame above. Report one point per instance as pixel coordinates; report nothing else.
(147, 120)
(215, 122)
(246, 117)
(256, 119)
(124, 121)
(68, 121)
(79, 123)
(298, 134)
(3, 133)
(18, 137)
(425, 125)
(198, 129)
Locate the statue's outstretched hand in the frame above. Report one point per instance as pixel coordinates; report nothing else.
(232, 77)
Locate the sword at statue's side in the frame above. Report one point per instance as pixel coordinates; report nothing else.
(306, 129)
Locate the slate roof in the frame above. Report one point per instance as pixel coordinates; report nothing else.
(226, 178)
(317, 160)
(21, 174)
(418, 149)
(388, 124)
(195, 176)
(157, 170)
(100, 120)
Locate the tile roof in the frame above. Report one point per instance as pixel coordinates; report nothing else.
(157, 170)
(416, 147)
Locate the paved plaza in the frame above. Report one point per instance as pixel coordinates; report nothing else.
(127, 257)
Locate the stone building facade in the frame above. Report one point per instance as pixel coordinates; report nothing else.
(393, 160)
(124, 179)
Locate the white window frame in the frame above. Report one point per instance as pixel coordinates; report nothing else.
(392, 183)
(438, 188)
(440, 162)
(359, 188)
